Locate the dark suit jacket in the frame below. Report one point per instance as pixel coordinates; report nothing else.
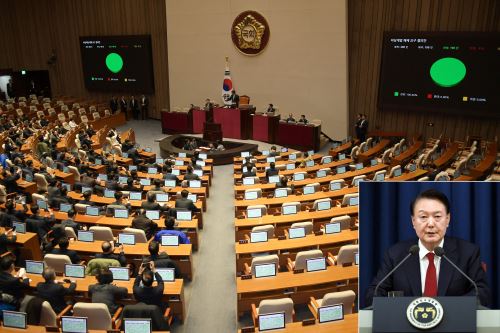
(191, 176)
(271, 172)
(149, 295)
(107, 293)
(13, 286)
(451, 283)
(72, 254)
(54, 294)
(143, 223)
(185, 203)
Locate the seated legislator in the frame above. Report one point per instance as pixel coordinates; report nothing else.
(151, 204)
(273, 152)
(105, 292)
(107, 253)
(170, 230)
(7, 238)
(63, 249)
(272, 171)
(142, 222)
(12, 214)
(11, 282)
(143, 285)
(184, 203)
(424, 273)
(290, 119)
(190, 175)
(161, 260)
(168, 175)
(70, 222)
(303, 119)
(53, 291)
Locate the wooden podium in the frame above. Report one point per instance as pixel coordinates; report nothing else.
(212, 132)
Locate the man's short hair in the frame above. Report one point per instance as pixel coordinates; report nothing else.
(106, 247)
(6, 262)
(87, 194)
(105, 276)
(154, 248)
(147, 278)
(71, 212)
(184, 193)
(49, 274)
(170, 223)
(151, 197)
(118, 195)
(433, 195)
(64, 243)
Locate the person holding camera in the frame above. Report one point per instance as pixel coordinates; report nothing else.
(144, 291)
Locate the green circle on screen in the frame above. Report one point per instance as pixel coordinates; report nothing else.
(114, 62)
(448, 72)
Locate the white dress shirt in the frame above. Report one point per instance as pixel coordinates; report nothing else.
(424, 262)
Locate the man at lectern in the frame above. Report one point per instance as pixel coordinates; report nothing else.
(235, 100)
(425, 273)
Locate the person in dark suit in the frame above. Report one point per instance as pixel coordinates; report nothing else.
(303, 119)
(209, 106)
(235, 99)
(108, 253)
(123, 104)
(363, 128)
(251, 171)
(9, 180)
(190, 175)
(273, 152)
(184, 203)
(7, 238)
(357, 126)
(113, 104)
(161, 260)
(134, 107)
(272, 171)
(70, 222)
(144, 107)
(270, 108)
(151, 204)
(290, 119)
(425, 273)
(12, 283)
(168, 175)
(146, 293)
(63, 249)
(11, 214)
(105, 292)
(142, 222)
(54, 291)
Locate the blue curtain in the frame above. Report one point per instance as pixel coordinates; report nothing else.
(385, 219)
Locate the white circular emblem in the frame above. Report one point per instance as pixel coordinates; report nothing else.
(424, 313)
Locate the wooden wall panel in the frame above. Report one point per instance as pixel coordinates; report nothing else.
(33, 28)
(368, 19)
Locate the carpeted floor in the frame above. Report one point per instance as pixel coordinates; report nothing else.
(211, 296)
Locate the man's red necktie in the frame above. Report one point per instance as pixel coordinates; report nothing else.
(430, 289)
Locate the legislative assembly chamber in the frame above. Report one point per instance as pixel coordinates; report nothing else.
(230, 166)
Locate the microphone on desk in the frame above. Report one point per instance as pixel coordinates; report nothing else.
(413, 250)
(439, 251)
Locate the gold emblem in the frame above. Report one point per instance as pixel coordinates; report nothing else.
(249, 32)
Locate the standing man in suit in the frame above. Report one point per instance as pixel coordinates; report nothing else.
(144, 107)
(209, 106)
(363, 128)
(134, 107)
(235, 100)
(123, 106)
(424, 273)
(357, 126)
(113, 104)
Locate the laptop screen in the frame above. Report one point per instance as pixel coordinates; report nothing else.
(74, 324)
(254, 212)
(109, 193)
(327, 160)
(125, 155)
(170, 183)
(85, 236)
(201, 163)
(264, 270)
(330, 313)
(199, 173)
(271, 321)
(160, 197)
(147, 149)
(122, 180)
(137, 325)
(380, 177)
(132, 167)
(121, 213)
(258, 236)
(332, 228)
(265, 152)
(203, 156)
(98, 161)
(251, 195)
(321, 173)
(28, 178)
(86, 189)
(145, 181)
(353, 201)
(248, 181)
(160, 161)
(289, 209)
(309, 189)
(120, 273)
(64, 207)
(34, 267)
(315, 264)
(153, 214)
(297, 232)
(92, 211)
(192, 197)
(195, 183)
(135, 196)
(292, 157)
(341, 157)
(67, 186)
(299, 176)
(290, 166)
(397, 172)
(76, 271)
(270, 159)
(412, 167)
(356, 258)
(176, 172)
(20, 227)
(179, 162)
(274, 179)
(126, 239)
(169, 240)
(335, 186)
(152, 170)
(245, 154)
(42, 204)
(323, 205)
(65, 169)
(183, 215)
(374, 162)
(359, 166)
(14, 319)
(356, 182)
(182, 155)
(310, 163)
(102, 176)
(167, 274)
(280, 193)
(341, 170)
